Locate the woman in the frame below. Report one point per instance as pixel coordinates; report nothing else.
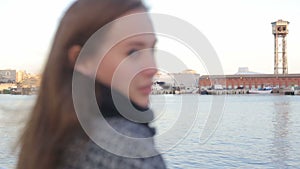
(53, 137)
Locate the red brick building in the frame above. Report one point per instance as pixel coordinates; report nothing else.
(249, 81)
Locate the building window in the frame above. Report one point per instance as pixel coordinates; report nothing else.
(247, 86)
(292, 84)
(7, 73)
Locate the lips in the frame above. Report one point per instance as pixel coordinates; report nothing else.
(146, 89)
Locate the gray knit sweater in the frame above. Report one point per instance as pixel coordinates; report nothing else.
(83, 154)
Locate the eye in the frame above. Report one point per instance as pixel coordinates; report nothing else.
(153, 50)
(132, 52)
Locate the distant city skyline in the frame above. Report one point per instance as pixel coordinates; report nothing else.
(240, 32)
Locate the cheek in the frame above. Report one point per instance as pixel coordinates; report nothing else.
(105, 73)
(107, 68)
(123, 79)
(115, 73)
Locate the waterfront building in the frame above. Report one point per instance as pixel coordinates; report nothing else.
(8, 76)
(250, 81)
(183, 82)
(186, 78)
(21, 75)
(245, 71)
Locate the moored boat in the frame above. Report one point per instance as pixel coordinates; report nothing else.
(266, 90)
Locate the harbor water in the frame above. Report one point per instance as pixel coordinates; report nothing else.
(252, 131)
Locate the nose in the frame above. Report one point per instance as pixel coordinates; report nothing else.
(150, 68)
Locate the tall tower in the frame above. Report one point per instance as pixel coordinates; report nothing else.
(280, 30)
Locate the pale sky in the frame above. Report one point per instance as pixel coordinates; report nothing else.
(240, 31)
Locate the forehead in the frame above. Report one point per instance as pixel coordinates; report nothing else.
(135, 22)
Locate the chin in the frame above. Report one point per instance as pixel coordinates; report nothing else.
(142, 102)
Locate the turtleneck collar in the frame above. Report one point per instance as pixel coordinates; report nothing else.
(112, 103)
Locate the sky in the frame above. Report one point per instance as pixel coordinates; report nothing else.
(240, 31)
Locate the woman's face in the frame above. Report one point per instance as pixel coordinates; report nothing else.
(129, 65)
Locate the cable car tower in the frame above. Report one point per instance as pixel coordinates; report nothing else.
(280, 30)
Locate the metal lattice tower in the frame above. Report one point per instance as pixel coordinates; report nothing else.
(280, 30)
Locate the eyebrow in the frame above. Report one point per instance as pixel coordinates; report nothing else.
(139, 43)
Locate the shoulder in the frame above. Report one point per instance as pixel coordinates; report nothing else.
(126, 147)
(97, 157)
(129, 128)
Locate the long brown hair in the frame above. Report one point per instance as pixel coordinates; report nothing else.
(53, 118)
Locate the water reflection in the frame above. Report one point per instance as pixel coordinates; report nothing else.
(14, 110)
(255, 132)
(280, 142)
